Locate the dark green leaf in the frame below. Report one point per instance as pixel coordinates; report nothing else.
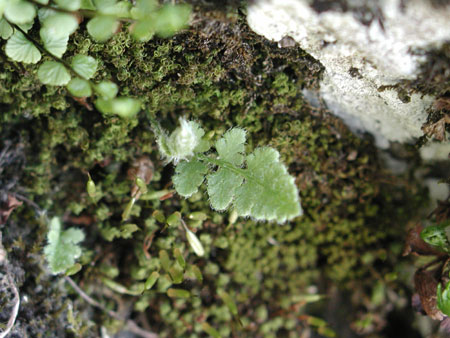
(436, 235)
(178, 293)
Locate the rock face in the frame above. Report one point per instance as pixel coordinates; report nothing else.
(366, 47)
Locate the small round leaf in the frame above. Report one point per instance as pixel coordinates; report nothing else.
(112, 7)
(87, 4)
(101, 28)
(26, 26)
(53, 73)
(54, 44)
(143, 30)
(125, 107)
(172, 18)
(70, 5)
(2, 7)
(84, 65)
(20, 11)
(107, 89)
(5, 29)
(79, 88)
(19, 48)
(59, 24)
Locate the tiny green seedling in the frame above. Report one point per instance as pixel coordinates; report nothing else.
(62, 249)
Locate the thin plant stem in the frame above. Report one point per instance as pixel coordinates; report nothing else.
(130, 324)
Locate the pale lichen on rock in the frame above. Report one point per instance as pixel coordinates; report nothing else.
(367, 48)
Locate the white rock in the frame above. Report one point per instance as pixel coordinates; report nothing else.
(382, 56)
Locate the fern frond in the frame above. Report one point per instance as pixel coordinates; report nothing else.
(62, 248)
(257, 185)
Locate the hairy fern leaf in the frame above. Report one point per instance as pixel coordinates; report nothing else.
(221, 187)
(62, 248)
(231, 146)
(257, 185)
(270, 192)
(188, 177)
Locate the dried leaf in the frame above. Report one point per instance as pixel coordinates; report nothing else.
(5, 211)
(425, 283)
(442, 103)
(415, 245)
(437, 129)
(142, 169)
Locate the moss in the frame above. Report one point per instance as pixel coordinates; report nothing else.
(221, 74)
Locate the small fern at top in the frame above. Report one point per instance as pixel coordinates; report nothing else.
(256, 185)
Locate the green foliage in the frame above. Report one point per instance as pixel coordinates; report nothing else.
(170, 19)
(54, 44)
(62, 249)
(437, 236)
(19, 48)
(79, 87)
(443, 299)
(125, 107)
(53, 73)
(57, 23)
(102, 27)
(19, 11)
(5, 29)
(263, 190)
(220, 79)
(194, 242)
(84, 65)
(189, 176)
(107, 89)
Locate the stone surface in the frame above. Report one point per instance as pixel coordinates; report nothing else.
(366, 47)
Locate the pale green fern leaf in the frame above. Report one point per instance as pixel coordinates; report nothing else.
(231, 146)
(62, 249)
(269, 192)
(221, 187)
(257, 185)
(188, 177)
(19, 48)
